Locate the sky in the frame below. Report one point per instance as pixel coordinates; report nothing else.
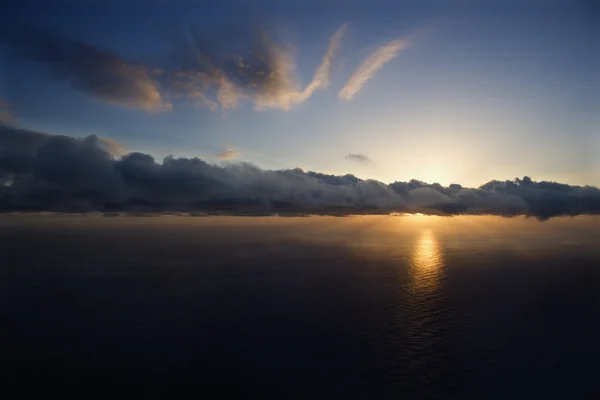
(441, 91)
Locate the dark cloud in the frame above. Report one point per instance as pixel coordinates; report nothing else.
(101, 73)
(60, 173)
(358, 158)
(19, 148)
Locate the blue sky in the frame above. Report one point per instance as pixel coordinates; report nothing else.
(485, 90)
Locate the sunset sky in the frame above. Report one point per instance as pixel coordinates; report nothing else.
(441, 91)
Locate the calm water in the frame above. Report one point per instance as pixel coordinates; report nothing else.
(354, 307)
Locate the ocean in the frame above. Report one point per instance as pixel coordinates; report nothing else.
(357, 307)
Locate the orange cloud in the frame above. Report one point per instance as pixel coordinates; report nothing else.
(228, 154)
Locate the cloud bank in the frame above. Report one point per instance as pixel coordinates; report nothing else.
(60, 173)
(370, 65)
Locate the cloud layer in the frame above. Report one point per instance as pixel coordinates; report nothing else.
(60, 173)
(370, 66)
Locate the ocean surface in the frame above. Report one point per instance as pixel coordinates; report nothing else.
(370, 307)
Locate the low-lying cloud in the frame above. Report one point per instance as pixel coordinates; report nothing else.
(61, 173)
(370, 65)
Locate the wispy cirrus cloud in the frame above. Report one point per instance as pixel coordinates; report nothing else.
(228, 154)
(263, 72)
(370, 65)
(320, 79)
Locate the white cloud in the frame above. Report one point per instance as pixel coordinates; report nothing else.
(370, 66)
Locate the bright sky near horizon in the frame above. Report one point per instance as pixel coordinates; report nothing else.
(441, 91)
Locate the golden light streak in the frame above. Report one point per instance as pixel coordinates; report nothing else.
(426, 262)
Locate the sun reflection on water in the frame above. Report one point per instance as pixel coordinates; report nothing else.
(422, 316)
(427, 262)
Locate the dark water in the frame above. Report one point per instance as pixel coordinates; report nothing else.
(358, 307)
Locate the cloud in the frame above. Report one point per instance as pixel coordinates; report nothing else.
(261, 70)
(370, 66)
(98, 72)
(228, 154)
(358, 158)
(19, 148)
(289, 94)
(114, 148)
(321, 77)
(41, 172)
(216, 69)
